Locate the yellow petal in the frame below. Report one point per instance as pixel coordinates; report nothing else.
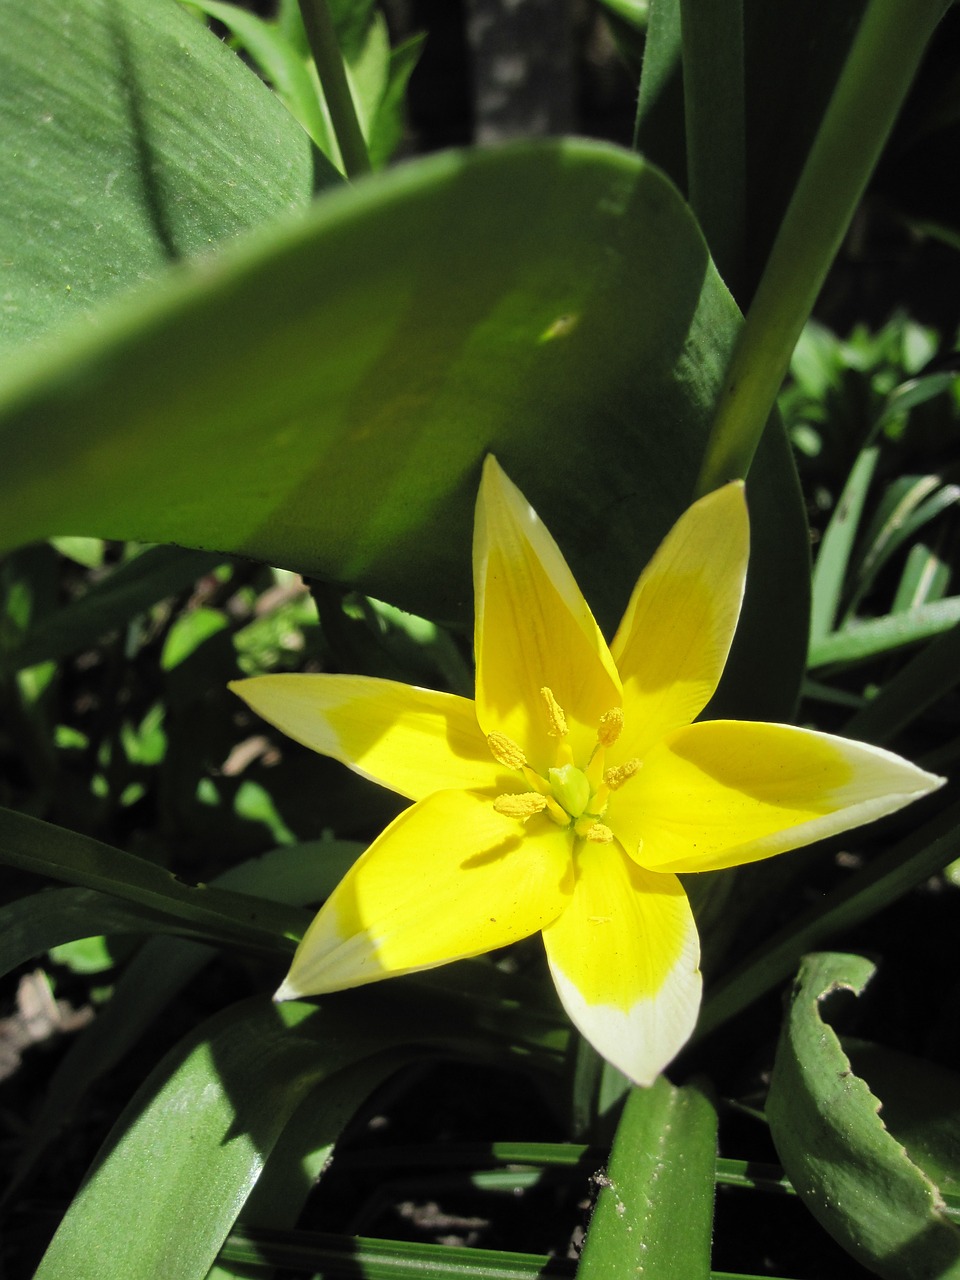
(414, 741)
(624, 957)
(673, 641)
(449, 878)
(725, 792)
(534, 630)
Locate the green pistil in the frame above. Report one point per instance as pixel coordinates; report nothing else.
(571, 788)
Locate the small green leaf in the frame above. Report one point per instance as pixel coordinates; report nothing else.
(855, 1178)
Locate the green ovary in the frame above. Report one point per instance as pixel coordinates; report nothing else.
(571, 789)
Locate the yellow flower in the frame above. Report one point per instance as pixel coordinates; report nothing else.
(569, 794)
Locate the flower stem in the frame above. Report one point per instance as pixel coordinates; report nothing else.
(336, 90)
(872, 86)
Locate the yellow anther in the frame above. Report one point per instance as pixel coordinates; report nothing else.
(621, 773)
(520, 806)
(505, 751)
(611, 724)
(600, 834)
(558, 721)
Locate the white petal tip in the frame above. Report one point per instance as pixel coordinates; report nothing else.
(286, 991)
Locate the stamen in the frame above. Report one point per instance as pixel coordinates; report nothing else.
(520, 806)
(600, 834)
(621, 773)
(611, 724)
(588, 828)
(505, 751)
(558, 721)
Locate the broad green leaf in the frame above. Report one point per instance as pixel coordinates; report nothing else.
(130, 137)
(654, 1214)
(198, 1134)
(282, 62)
(322, 398)
(202, 1126)
(855, 1177)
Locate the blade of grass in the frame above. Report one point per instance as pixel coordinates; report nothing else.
(886, 879)
(221, 915)
(924, 501)
(714, 112)
(926, 678)
(871, 88)
(862, 640)
(833, 557)
(925, 578)
(336, 89)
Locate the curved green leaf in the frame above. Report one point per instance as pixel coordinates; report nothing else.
(853, 1175)
(323, 398)
(921, 1107)
(130, 137)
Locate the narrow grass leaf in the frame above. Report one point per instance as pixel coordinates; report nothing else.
(887, 878)
(860, 641)
(220, 915)
(929, 676)
(836, 546)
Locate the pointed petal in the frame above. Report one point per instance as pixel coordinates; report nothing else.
(533, 629)
(674, 638)
(724, 792)
(449, 878)
(414, 741)
(624, 957)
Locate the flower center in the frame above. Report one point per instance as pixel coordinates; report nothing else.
(570, 796)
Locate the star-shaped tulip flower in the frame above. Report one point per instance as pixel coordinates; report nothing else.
(566, 798)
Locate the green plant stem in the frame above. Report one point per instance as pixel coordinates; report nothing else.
(871, 88)
(336, 90)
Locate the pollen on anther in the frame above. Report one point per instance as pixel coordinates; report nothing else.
(609, 729)
(558, 721)
(521, 806)
(505, 751)
(617, 776)
(599, 833)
